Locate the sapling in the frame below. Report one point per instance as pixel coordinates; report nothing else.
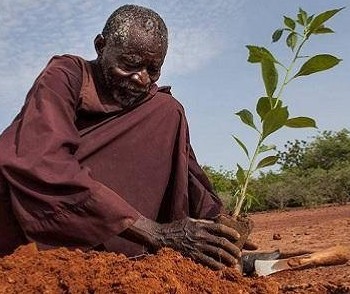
(271, 112)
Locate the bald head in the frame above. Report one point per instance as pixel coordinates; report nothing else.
(131, 20)
(130, 53)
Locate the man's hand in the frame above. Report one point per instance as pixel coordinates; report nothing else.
(205, 241)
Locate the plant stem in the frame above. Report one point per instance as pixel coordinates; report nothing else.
(286, 79)
(243, 191)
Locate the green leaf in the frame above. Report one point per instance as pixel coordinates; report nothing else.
(270, 75)
(277, 35)
(240, 175)
(265, 148)
(265, 104)
(267, 161)
(299, 21)
(317, 63)
(302, 17)
(274, 120)
(256, 54)
(310, 18)
(246, 117)
(323, 30)
(321, 18)
(241, 144)
(301, 122)
(292, 40)
(250, 199)
(290, 23)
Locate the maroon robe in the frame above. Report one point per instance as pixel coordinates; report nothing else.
(76, 170)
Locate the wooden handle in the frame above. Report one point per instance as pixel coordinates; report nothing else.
(339, 254)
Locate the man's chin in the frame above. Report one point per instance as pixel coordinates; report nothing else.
(133, 93)
(128, 99)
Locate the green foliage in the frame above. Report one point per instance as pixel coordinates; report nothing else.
(312, 173)
(221, 180)
(271, 115)
(340, 175)
(326, 151)
(292, 157)
(300, 122)
(317, 63)
(317, 23)
(223, 183)
(267, 161)
(275, 119)
(246, 117)
(296, 188)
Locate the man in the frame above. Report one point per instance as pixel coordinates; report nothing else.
(100, 157)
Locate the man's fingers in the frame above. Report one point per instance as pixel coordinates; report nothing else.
(207, 260)
(250, 245)
(223, 243)
(221, 236)
(223, 231)
(219, 254)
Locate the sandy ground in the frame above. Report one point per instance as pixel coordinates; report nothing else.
(311, 229)
(62, 271)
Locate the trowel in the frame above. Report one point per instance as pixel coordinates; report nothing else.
(335, 255)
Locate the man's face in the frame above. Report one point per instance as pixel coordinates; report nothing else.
(130, 67)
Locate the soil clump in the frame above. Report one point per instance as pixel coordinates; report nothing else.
(63, 271)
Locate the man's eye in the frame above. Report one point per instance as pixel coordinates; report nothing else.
(153, 70)
(130, 66)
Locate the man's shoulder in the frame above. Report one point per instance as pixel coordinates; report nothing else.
(65, 67)
(67, 61)
(164, 92)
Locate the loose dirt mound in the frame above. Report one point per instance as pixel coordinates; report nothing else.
(63, 271)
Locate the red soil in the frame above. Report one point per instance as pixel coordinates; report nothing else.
(311, 229)
(63, 271)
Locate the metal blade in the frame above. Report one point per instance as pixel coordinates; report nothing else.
(268, 267)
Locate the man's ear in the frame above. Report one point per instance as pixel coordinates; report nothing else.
(100, 43)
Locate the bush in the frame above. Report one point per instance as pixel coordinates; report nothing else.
(221, 180)
(340, 177)
(304, 182)
(310, 188)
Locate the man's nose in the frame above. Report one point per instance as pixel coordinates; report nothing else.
(141, 77)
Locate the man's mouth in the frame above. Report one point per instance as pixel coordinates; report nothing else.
(135, 92)
(128, 96)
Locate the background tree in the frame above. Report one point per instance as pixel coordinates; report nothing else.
(328, 150)
(325, 151)
(312, 173)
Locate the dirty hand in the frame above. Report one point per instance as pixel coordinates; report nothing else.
(210, 243)
(205, 241)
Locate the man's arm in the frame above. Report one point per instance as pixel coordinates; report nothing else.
(204, 203)
(54, 199)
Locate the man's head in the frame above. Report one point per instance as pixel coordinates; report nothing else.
(131, 51)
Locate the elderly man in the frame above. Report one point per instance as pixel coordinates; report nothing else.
(100, 157)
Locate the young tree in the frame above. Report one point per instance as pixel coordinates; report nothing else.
(271, 114)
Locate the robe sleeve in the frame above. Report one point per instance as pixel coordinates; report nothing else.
(54, 198)
(204, 203)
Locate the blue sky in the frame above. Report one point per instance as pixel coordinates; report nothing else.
(206, 64)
